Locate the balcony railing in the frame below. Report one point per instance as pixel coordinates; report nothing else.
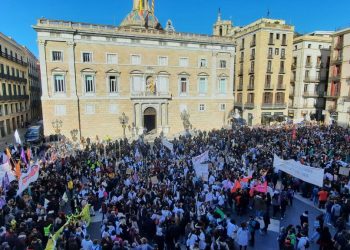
(249, 105)
(14, 78)
(240, 73)
(269, 56)
(273, 105)
(14, 97)
(238, 104)
(311, 79)
(241, 48)
(294, 65)
(151, 95)
(251, 71)
(269, 71)
(319, 65)
(271, 42)
(252, 57)
(332, 95)
(252, 44)
(310, 94)
(240, 87)
(268, 86)
(13, 59)
(284, 43)
(283, 56)
(282, 71)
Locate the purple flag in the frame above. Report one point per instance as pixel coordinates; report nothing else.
(23, 157)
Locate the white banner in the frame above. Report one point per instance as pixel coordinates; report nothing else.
(168, 144)
(6, 167)
(306, 173)
(27, 178)
(201, 169)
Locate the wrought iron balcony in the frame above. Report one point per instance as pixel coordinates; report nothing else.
(150, 95)
(13, 59)
(274, 106)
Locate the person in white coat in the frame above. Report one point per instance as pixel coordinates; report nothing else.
(243, 236)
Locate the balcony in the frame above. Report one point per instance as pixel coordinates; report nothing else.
(281, 86)
(252, 57)
(271, 42)
(13, 59)
(337, 61)
(308, 65)
(150, 95)
(240, 73)
(269, 71)
(238, 104)
(319, 65)
(270, 56)
(240, 87)
(241, 47)
(249, 105)
(252, 44)
(284, 43)
(251, 71)
(294, 65)
(8, 98)
(282, 71)
(274, 106)
(241, 59)
(13, 78)
(309, 106)
(292, 80)
(268, 86)
(283, 57)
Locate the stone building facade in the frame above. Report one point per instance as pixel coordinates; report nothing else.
(15, 74)
(309, 78)
(91, 74)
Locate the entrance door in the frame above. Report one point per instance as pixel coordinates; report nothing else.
(149, 119)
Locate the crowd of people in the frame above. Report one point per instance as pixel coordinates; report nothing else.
(150, 197)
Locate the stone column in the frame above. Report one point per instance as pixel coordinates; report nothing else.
(213, 75)
(43, 68)
(71, 66)
(232, 77)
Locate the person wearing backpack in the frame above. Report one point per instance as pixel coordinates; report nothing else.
(253, 225)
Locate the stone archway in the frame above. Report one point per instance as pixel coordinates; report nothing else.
(150, 119)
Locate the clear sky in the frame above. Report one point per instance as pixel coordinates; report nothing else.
(196, 16)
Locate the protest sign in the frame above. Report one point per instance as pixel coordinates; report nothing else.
(27, 178)
(306, 173)
(344, 171)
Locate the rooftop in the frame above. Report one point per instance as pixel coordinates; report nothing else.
(110, 30)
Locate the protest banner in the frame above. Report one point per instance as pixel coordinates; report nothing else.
(344, 171)
(306, 173)
(168, 144)
(200, 165)
(27, 178)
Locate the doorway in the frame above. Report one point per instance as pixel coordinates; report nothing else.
(149, 119)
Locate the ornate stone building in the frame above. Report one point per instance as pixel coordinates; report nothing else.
(91, 74)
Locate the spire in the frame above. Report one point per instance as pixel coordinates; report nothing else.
(219, 15)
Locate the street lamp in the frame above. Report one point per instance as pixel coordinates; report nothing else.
(123, 119)
(57, 125)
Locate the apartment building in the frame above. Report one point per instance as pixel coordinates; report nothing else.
(14, 91)
(163, 81)
(338, 91)
(263, 60)
(309, 76)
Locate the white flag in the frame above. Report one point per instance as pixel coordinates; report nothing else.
(17, 138)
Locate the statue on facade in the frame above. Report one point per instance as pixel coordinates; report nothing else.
(185, 117)
(150, 85)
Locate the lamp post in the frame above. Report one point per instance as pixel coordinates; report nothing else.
(123, 119)
(57, 125)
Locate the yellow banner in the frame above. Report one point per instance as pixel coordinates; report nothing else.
(84, 215)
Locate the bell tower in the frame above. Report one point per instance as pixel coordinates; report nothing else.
(222, 27)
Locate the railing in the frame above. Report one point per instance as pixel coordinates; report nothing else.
(249, 105)
(271, 42)
(311, 93)
(252, 44)
(273, 105)
(240, 72)
(14, 97)
(240, 87)
(335, 78)
(238, 104)
(241, 48)
(284, 43)
(282, 71)
(319, 65)
(294, 65)
(334, 94)
(269, 71)
(283, 56)
(251, 71)
(311, 79)
(252, 57)
(147, 94)
(14, 78)
(269, 56)
(12, 58)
